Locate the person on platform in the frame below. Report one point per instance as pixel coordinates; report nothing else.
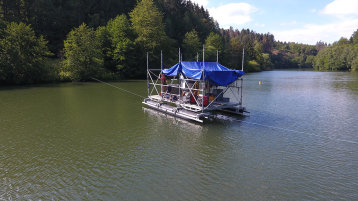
(164, 83)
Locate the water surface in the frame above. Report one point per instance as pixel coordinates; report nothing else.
(79, 141)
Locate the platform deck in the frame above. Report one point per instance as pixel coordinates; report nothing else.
(175, 111)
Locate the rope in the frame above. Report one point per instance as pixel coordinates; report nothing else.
(117, 87)
(294, 131)
(253, 123)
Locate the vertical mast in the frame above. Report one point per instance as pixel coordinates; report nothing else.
(147, 74)
(241, 91)
(217, 56)
(242, 62)
(161, 61)
(179, 54)
(202, 102)
(242, 69)
(197, 56)
(203, 59)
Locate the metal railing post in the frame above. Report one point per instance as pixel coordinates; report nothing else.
(203, 73)
(148, 86)
(217, 56)
(242, 62)
(242, 80)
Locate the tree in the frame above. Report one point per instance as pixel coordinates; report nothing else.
(354, 66)
(83, 57)
(235, 52)
(248, 44)
(120, 35)
(342, 41)
(335, 57)
(266, 62)
(354, 37)
(191, 45)
(10, 10)
(104, 39)
(148, 24)
(213, 43)
(320, 45)
(22, 55)
(258, 48)
(2, 28)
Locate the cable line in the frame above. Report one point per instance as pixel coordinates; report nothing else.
(118, 87)
(252, 123)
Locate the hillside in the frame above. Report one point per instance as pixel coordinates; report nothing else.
(77, 39)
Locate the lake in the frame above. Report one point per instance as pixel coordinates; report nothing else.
(90, 141)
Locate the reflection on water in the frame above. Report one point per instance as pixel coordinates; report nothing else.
(184, 125)
(344, 81)
(88, 141)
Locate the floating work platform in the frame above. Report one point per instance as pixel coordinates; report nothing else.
(176, 111)
(185, 113)
(195, 91)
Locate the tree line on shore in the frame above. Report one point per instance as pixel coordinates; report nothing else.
(45, 41)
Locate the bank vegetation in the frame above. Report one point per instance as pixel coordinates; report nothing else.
(74, 40)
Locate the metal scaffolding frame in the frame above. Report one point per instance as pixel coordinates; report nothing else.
(190, 93)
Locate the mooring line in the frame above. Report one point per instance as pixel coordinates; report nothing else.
(253, 123)
(117, 87)
(295, 131)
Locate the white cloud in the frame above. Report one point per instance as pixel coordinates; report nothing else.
(201, 2)
(259, 25)
(341, 8)
(312, 33)
(346, 13)
(232, 14)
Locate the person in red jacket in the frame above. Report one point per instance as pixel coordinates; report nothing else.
(164, 82)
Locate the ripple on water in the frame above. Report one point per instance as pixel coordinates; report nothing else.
(90, 142)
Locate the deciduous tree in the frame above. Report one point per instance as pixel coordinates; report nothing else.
(191, 45)
(83, 57)
(22, 54)
(213, 43)
(148, 24)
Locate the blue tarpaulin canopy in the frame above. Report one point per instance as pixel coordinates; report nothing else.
(216, 73)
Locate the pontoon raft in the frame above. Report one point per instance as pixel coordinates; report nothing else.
(195, 90)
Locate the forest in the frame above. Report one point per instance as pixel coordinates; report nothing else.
(74, 40)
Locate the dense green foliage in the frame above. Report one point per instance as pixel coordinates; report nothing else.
(83, 58)
(116, 40)
(294, 55)
(22, 55)
(55, 19)
(258, 48)
(213, 43)
(109, 39)
(148, 25)
(191, 46)
(341, 55)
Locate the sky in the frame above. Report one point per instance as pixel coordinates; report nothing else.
(301, 21)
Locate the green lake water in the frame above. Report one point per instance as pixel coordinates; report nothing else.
(90, 141)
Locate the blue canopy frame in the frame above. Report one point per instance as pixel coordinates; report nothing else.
(216, 73)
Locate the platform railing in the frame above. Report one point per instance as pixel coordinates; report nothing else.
(154, 78)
